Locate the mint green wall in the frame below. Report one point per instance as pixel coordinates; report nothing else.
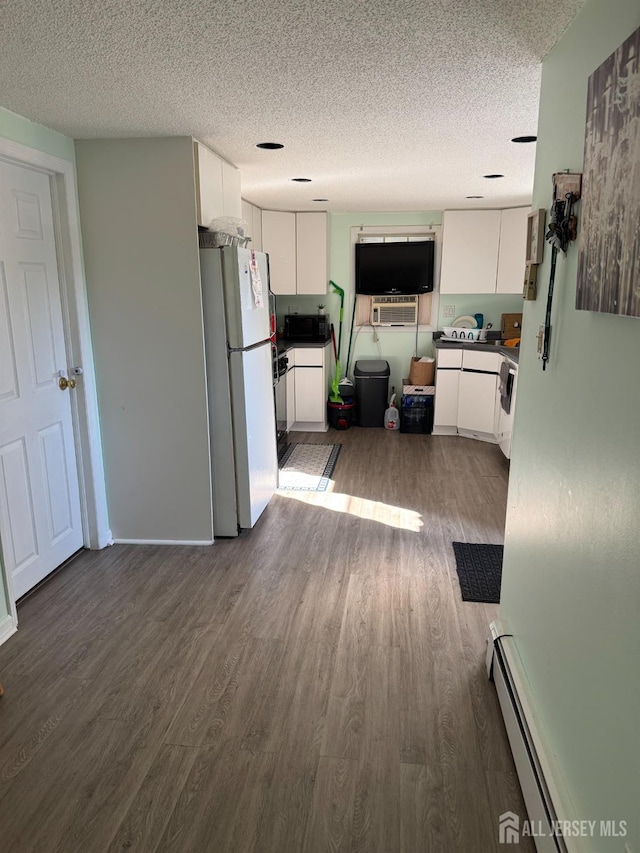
(491, 306)
(571, 577)
(394, 347)
(20, 129)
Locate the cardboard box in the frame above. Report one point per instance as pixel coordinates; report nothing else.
(421, 372)
(425, 390)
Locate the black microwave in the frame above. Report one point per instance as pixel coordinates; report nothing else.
(307, 328)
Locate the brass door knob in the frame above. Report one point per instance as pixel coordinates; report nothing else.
(64, 383)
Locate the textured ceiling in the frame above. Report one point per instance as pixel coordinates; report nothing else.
(385, 104)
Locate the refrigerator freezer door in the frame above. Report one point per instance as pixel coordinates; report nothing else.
(254, 429)
(247, 323)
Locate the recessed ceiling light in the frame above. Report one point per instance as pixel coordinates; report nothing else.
(475, 196)
(493, 176)
(319, 199)
(270, 146)
(524, 139)
(302, 180)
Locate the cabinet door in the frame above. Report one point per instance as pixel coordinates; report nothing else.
(208, 184)
(310, 394)
(477, 402)
(311, 252)
(279, 241)
(247, 215)
(446, 402)
(257, 229)
(513, 250)
(231, 196)
(470, 243)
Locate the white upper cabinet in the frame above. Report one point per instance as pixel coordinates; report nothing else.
(311, 252)
(302, 237)
(279, 241)
(257, 229)
(483, 251)
(513, 250)
(253, 217)
(217, 186)
(208, 184)
(247, 215)
(470, 241)
(231, 197)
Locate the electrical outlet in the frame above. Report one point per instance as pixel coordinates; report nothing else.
(449, 311)
(540, 340)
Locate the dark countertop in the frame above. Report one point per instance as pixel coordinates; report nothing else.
(284, 345)
(513, 353)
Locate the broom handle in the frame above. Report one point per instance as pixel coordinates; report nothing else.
(353, 319)
(333, 338)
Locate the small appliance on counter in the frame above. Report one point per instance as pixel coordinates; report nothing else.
(307, 328)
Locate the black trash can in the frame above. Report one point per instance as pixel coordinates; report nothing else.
(372, 391)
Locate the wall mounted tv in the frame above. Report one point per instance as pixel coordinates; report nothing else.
(394, 269)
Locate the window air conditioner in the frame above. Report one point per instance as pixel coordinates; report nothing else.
(394, 310)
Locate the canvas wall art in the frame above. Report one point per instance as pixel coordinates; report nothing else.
(609, 241)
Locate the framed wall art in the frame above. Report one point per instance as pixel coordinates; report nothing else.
(609, 239)
(535, 236)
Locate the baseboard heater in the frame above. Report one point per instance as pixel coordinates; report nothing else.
(535, 784)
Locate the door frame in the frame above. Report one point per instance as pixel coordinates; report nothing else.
(75, 313)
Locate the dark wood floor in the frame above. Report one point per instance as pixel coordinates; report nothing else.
(316, 685)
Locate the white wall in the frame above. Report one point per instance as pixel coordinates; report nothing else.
(138, 217)
(571, 578)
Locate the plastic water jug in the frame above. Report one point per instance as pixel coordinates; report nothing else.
(392, 415)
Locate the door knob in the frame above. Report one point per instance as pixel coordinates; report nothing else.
(64, 383)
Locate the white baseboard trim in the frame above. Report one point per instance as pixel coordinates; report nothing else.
(544, 796)
(489, 437)
(7, 628)
(309, 426)
(104, 540)
(202, 542)
(444, 430)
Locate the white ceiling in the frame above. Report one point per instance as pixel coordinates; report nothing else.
(385, 104)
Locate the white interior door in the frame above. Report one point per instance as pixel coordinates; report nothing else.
(40, 520)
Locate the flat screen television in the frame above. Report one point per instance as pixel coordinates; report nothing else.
(394, 269)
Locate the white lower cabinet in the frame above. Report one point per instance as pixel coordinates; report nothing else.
(445, 417)
(308, 400)
(467, 399)
(477, 403)
(310, 396)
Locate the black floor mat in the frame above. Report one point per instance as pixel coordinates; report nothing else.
(479, 570)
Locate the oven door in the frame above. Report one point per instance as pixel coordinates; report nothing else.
(280, 392)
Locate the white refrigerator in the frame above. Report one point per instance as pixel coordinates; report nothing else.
(238, 349)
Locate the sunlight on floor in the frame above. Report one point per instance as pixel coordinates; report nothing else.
(392, 516)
